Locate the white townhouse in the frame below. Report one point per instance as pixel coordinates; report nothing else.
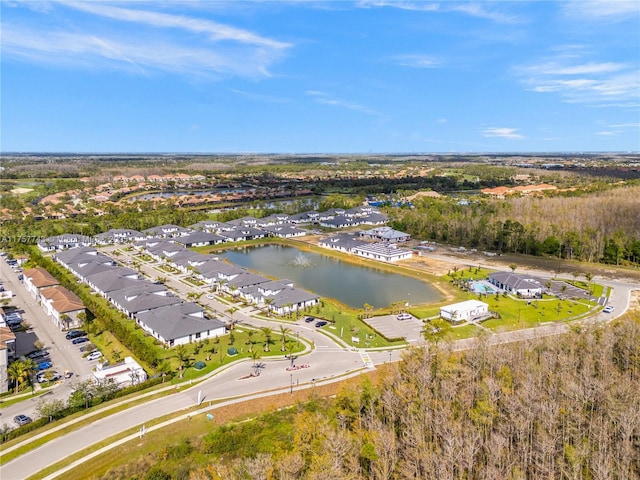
(180, 324)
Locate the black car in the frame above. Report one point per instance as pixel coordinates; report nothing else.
(22, 419)
(38, 354)
(321, 323)
(309, 319)
(71, 334)
(79, 340)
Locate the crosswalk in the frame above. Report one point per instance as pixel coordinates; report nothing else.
(366, 360)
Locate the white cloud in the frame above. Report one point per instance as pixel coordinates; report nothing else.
(609, 10)
(473, 9)
(417, 61)
(163, 42)
(607, 133)
(595, 83)
(260, 97)
(509, 133)
(127, 53)
(326, 99)
(214, 31)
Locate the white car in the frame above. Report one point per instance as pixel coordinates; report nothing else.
(404, 316)
(608, 309)
(94, 356)
(210, 297)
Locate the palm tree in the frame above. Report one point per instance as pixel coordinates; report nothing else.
(267, 332)
(21, 371)
(255, 356)
(66, 319)
(589, 277)
(250, 334)
(183, 356)
(283, 337)
(268, 302)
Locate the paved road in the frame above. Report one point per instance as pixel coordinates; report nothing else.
(64, 355)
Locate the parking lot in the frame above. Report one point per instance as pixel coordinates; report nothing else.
(62, 353)
(390, 327)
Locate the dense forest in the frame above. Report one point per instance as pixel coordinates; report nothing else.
(601, 226)
(565, 407)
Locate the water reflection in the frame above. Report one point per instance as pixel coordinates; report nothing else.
(352, 285)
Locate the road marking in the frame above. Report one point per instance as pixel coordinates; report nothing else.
(366, 360)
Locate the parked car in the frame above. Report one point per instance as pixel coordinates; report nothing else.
(76, 341)
(404, 316)
(309, 319)
(22, 419)
(608, 309)
(321, 323)
(48, 377)
(71, 334)
(94, 356)
(44, 365)
(88, 348)
(38, 354)
(210, 297)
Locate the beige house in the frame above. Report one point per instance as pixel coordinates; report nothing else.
(63, 306)
(7, 352)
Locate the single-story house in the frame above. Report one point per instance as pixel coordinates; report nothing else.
(180, 324)
(199, 239)
(383, 252)
(343, 242)
(385, 234)
(464, 311)
(64, 242)
(119, 235)
(517, 284)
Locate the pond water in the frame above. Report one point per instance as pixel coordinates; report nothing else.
(352, 285)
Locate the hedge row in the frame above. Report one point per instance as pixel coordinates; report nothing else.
(107, 317)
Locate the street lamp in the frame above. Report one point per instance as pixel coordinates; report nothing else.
(291, 383)
(389, 357)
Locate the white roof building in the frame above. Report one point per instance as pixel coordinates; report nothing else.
(123, 374)
(464, 311)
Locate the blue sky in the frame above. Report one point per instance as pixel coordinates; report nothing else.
(308, 77)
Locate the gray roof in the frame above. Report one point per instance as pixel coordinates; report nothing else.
(199, 237)
(164, 246)
(293, 296)
(69, 255)
(247, 279)
(345, 241)
(115, 279)
(91, 268)
(144, 300)
(177, 321)
(516, 281)
(216, 266)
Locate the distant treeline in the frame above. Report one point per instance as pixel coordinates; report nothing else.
(599, 227)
